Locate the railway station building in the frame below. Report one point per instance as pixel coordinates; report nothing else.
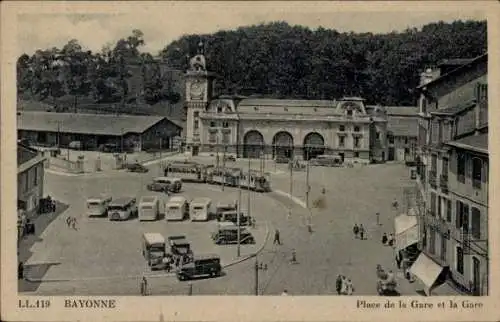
(252, 127)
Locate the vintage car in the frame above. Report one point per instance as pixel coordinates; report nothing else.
(231, 158)
(326, 161)
(165, 184)
(136, 167)
(282, 159)
(227, 233)
(202, 265)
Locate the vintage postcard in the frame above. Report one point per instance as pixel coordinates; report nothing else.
(249, 161)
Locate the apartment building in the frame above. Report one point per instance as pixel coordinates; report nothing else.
(452, 175)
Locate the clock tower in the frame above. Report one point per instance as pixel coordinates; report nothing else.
(199, 91)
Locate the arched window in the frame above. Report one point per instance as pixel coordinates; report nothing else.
(356, 129)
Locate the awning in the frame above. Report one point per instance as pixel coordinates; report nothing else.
(406, 231)
(427, 271)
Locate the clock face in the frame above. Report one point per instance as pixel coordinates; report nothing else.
(196, 90)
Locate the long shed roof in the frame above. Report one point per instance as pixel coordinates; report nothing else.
(100, 124)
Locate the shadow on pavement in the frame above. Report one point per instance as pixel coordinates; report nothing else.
(42, 221)
(33, 276)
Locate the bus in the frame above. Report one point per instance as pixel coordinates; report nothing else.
(149, 208)
(201, 209)
(177, 208)
(153, 248)
(188, 171)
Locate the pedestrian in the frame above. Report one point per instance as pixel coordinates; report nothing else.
(361, 232)
(145, 282)
(309, 225)
(277, 237)
(355, 230)
(395, 204)
(73, 223)
(349, 287)
(343, 287)
(391, 240)
(69, 220)
(293, 260)
(285, 293)
(142, 287)
(166, 263)
(338, 284)
(20, 271)
(399, 259)
(384, 239)
(378, 218)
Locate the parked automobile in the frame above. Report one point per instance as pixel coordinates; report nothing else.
(75, 145)
(326, 161)
(227, 233)
(231, 158)
(165, 184)
(201, 265)
(282, 159)
(136, 167)
(109, 147)
(232, 216)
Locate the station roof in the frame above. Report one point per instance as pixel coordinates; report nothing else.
(460, 68)
(402, 126)
(402, 110)
(99, 124)
(286, 106)
(27, 157)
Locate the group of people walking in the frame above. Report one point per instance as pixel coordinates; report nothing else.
(344, 285)
(359, 231)
(71, 222)
(388, 241)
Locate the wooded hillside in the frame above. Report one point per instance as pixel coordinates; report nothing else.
(275, 60)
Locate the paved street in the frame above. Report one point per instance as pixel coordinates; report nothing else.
(354, 195)
(100, 249)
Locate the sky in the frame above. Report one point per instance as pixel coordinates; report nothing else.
(165, 22)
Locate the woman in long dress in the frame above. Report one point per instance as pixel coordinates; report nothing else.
(343, 287)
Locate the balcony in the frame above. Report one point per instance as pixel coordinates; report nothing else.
(476, 183)
(433, 179)
(443, 183)
(438, 223)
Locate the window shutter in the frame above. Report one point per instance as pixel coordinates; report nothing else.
(458, 214)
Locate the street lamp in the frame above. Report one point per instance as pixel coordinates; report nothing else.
(238, 215)
(258, 267)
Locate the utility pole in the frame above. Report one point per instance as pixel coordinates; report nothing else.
(217, 155)
(223, 167)
(291, 186)
(249, 190)
(256, 276)
(308, 187)
(122, 139)
(238, 215)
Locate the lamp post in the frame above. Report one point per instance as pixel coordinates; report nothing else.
(258, 267)
(249, 190)
(238, 215)
(121, 139)
(223, 168)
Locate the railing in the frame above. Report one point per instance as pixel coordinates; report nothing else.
(476, 183)
(432, 179)
(443, 182)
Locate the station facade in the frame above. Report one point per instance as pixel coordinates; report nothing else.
(252, 127)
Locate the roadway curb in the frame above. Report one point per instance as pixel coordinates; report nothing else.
(240, 260)
(292, 198)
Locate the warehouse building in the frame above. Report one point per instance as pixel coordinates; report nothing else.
(93, 131)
